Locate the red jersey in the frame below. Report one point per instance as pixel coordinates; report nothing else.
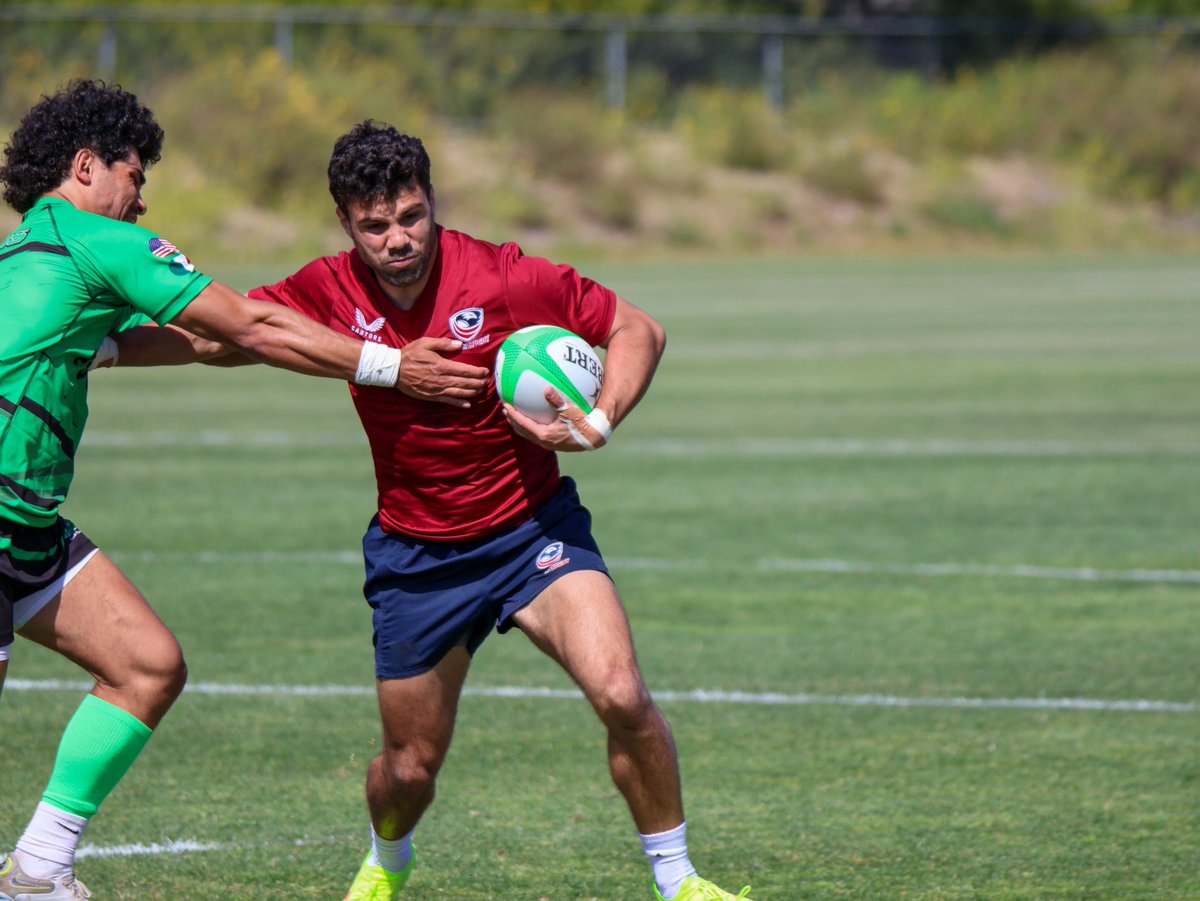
(444, 473)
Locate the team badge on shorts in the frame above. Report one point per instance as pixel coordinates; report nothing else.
(551, 557)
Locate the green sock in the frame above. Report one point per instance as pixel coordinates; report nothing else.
(98, 747)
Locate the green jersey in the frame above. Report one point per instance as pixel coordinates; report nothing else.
(67, 280)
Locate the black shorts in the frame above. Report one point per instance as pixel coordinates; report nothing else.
(35, 560)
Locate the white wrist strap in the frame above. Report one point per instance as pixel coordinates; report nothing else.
(106, 354)
(598, 420)
(378, 365)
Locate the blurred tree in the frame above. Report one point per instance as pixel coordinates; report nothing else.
(978, 32)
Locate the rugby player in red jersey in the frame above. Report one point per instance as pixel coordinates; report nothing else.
(476, 527)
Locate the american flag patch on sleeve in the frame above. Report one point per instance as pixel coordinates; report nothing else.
(161, 248)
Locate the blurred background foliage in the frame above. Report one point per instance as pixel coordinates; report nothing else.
(1010, 123)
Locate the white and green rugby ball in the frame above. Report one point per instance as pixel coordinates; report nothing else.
(538, 356)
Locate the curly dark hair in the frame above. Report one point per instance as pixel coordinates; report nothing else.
(373, 160)
(86, 114)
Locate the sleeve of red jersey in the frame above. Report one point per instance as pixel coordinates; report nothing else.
(304, 292)
(543, 293)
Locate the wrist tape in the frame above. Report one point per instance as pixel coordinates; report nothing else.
(378, 365)
(598, 420)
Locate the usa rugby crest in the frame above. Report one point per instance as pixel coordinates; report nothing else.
(466, 325)
(551, 557)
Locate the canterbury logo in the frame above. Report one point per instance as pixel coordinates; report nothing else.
(371, 327)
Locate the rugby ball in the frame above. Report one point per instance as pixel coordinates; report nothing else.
(538, 356)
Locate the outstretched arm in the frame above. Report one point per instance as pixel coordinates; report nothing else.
(210, 328)
(168, 345)
(269, 333)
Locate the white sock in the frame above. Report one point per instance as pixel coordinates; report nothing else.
(391, 854)
(47, 848)
(669, 854)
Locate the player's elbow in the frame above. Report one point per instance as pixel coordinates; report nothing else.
(658, 337)
(650, 333)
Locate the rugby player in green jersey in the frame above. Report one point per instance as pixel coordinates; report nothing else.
(75, 271)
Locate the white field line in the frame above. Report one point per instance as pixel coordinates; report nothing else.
(154, 849)
(184, 846)
(782, 564)
(1016, 571)
(897, 447)
(698, 696)
(686, 447)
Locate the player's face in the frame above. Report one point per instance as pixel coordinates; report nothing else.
(116, 190)
(396, 237)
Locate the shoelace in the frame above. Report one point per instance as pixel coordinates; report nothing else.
(78, 889)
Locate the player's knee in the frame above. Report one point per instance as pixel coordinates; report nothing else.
(411, 783)
(160, 670)
(410, 774)
(624, 703)
(175, 678)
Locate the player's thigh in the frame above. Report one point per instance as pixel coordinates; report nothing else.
(581, 622)
(101, 622)
(418, 712)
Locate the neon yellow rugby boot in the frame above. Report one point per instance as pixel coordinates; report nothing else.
(374, 883)
(696, 889)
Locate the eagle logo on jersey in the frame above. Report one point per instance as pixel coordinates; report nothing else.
(364, 328)
(466, 324)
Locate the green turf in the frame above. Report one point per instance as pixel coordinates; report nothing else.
(1018, 413)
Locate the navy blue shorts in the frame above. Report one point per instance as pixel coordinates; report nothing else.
(431, 596)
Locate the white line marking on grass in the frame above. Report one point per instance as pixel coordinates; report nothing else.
(353, 558)
(1018, 571)
(897, 447)
(693, 447)
(782, 564)
(184, 846)
(698, 696)
(1134, 706)
(212, 688)
(223, 438)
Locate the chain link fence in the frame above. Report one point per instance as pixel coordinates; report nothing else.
(457, 61)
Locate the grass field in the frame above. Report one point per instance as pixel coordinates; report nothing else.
(926, 533)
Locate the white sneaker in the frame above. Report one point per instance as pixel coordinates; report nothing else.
(16, 885)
